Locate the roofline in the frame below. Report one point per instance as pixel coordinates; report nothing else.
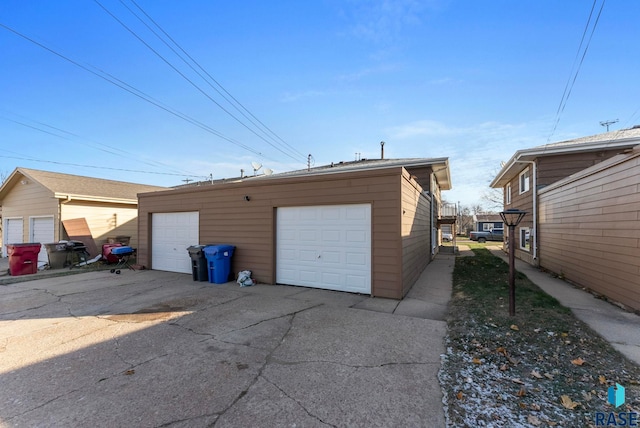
(68, 197)
(528, 155)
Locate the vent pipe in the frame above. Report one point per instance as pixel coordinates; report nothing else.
(381, 149)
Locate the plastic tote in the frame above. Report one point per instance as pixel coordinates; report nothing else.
(219, 262)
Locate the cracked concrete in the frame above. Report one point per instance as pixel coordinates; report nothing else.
(156, 349)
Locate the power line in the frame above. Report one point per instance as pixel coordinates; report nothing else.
(236, 104)
(198, 88)
(116, 152)
(136, 92)
(92, 166)
(571, 82)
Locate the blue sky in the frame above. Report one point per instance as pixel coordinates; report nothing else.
(473, 81)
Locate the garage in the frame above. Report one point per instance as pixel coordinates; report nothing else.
(325, 247)
(171, 235)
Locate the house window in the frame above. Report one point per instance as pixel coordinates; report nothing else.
(487, 226)
(507, 194)
(524, 181)
(525, 239)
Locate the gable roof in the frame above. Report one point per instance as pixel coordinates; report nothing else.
(622, 139)
(68, 186)
(484, 218)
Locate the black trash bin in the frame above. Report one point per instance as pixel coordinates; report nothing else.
(198, 263)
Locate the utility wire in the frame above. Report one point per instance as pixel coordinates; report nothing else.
(571, 82)
(235, 102)
(101, 147)
(190, 81)
(136, 92)
(93, 166)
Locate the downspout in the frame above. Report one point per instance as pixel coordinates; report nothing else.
(535, 210)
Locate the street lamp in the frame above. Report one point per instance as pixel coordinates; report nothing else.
(512, 218)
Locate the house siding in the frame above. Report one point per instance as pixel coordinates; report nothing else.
(416, 231)
(30, 200)
(590, 229)
(225, 217)
(523, 202)
(554, 168)
(104, 220)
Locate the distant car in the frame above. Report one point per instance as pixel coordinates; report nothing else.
(447, 237)
(492, 235)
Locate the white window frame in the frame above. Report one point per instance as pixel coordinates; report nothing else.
(523, 181)
(507, 192)
(523, 244)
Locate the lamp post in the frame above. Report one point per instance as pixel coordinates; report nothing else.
(512, 218)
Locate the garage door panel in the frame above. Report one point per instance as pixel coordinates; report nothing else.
(42, 231)
(332, 249)
(172, 234)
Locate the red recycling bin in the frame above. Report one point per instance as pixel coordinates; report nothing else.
(23, 258)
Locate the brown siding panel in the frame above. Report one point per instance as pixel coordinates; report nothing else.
(590, 230)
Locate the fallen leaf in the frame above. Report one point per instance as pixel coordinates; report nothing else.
(587, 396)
(533, 420)
(537, 330)
(522, 392)
(536, 374)
(504, 367)
(514, 327)
(513, 361)
(602, 379)
(548, 376)
(522, 405)
(568, 403)
(460, 395)
(518, 381)
(578, 361)
(535, 406)
(564, 334)
(476, 360)
(130, 372)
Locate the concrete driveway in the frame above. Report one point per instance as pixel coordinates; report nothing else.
(151, 349)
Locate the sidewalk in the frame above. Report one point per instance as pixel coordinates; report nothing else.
(617, 326)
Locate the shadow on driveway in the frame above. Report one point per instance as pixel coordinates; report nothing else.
(150, 348)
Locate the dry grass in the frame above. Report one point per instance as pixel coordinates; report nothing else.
(542, 367)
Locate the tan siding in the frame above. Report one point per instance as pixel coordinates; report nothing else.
(416, 231)
(524, 202)
(32, 199)
(225, 217)
(104, 220)
(590, 230)
(555, 168)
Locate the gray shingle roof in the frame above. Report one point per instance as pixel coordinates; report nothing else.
(87, 186)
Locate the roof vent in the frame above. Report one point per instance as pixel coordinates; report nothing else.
(635, 127)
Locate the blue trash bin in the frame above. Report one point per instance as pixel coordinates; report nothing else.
(219, 262)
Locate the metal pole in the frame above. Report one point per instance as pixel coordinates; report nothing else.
(512, 271)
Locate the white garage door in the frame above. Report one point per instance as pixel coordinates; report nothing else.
(325, 247)
(171, 235)
(12, 233)
(41, 230)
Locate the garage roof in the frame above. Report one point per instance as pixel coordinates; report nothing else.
(66, 186)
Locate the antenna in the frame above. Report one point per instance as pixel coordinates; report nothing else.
(608, 122)
(256, 166)
(187, 180)
(268, 171)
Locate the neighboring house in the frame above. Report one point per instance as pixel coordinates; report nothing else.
(589, 228)
(583, 222)
(35, 203)
(487, 222)
(368, 226)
